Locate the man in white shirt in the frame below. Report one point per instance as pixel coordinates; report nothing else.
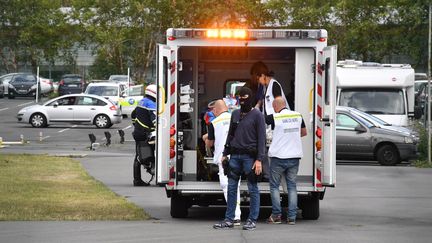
(217, 136)
(285, 153)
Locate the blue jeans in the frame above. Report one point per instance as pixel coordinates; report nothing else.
(238, 164)
(289, 169)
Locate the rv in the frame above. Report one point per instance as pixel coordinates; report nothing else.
(383, 90)
(196, 66)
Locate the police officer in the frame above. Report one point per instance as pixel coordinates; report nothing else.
(216, 136)
(144, 118)
(285, 152)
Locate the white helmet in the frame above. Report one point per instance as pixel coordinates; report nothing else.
(151, 90)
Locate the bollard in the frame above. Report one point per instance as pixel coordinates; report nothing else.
(22, 138)
(40, 136)
(1, 142)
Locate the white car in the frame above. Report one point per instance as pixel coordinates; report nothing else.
(121, 79)
(72, 108)
(111, 91)
(133, 95)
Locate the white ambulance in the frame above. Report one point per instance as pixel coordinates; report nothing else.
(383, 90)
(199, 65)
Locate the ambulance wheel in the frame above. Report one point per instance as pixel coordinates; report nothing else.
(310, 207)
(388, 155)
(179, 206)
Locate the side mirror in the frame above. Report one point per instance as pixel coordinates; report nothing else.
(360, 129)
(55, 104)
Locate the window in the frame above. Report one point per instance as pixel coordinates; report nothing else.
(374, 101)
(345, 122)
(87, 101)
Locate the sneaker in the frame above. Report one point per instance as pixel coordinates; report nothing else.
(274, 219)
(250, 225)
(237, 222)
(291, 221)
(226, 224)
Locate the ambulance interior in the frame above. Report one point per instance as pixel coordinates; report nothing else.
(214, 73)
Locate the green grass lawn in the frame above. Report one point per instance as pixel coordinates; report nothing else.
(39, 187)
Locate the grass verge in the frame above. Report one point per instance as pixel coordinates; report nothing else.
(40, 187)
(422, 164)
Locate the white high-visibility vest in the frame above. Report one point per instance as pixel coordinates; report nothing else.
(221, 127)
(286, 141)
(269, 97)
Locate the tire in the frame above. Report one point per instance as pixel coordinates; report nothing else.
(310, 207)
(11, 96)
(102, 121)
(179, 206)
(388, 155)
(38, 120)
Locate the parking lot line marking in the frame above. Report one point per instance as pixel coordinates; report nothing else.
(25, 104)
(45, 138)
(68, 128)
(127, 127)
(3, 109)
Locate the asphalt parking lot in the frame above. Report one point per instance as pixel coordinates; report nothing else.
(370, 203)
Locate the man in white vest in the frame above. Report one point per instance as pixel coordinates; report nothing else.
(285, 153)
(217, 136)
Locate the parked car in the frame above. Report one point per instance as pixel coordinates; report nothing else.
(360, 137)
(71, 84)
(46, 86)
(133, 95)
(72, 108)
(1, 89)
(121, 79)
(111, 91)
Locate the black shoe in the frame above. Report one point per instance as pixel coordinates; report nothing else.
(226, 224)
(250, 225)
(139, 183)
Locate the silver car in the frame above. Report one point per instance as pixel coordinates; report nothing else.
(73, 108)
(361, 136)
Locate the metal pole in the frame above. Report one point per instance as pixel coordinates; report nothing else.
(128, 77)
(429, 84)
(37, 85)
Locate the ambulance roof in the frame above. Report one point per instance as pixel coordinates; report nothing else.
(247, 37)
(352, 73)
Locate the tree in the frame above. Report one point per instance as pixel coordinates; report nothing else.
(33, 31)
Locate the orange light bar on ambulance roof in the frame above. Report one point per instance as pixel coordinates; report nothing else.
(212, 33)
(224, 33)
(240, 34)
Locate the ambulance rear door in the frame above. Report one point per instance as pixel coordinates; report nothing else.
(164, 121)
(327, 94)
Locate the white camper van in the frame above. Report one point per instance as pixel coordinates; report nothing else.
(383, 90)
(200, 65)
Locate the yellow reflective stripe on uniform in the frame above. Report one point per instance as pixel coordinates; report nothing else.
(215, 121)
(143, 125)
(286, 116)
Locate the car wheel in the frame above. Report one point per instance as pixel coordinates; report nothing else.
(388, 155)
(38, 120)
(11, 96)
(102, 121)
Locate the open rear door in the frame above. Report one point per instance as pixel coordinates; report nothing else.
(163, 124)
(327, 61)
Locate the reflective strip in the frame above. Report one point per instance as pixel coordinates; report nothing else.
(215, 121)
(277, 117)
(143, 125)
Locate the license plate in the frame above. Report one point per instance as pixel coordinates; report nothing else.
(22, 91)
(73, 85)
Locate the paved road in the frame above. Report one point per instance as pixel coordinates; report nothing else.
(371, 203)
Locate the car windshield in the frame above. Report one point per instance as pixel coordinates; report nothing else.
(72, 79)
(418, 84)
(370, 118)
(103, 90)
(374, 101)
